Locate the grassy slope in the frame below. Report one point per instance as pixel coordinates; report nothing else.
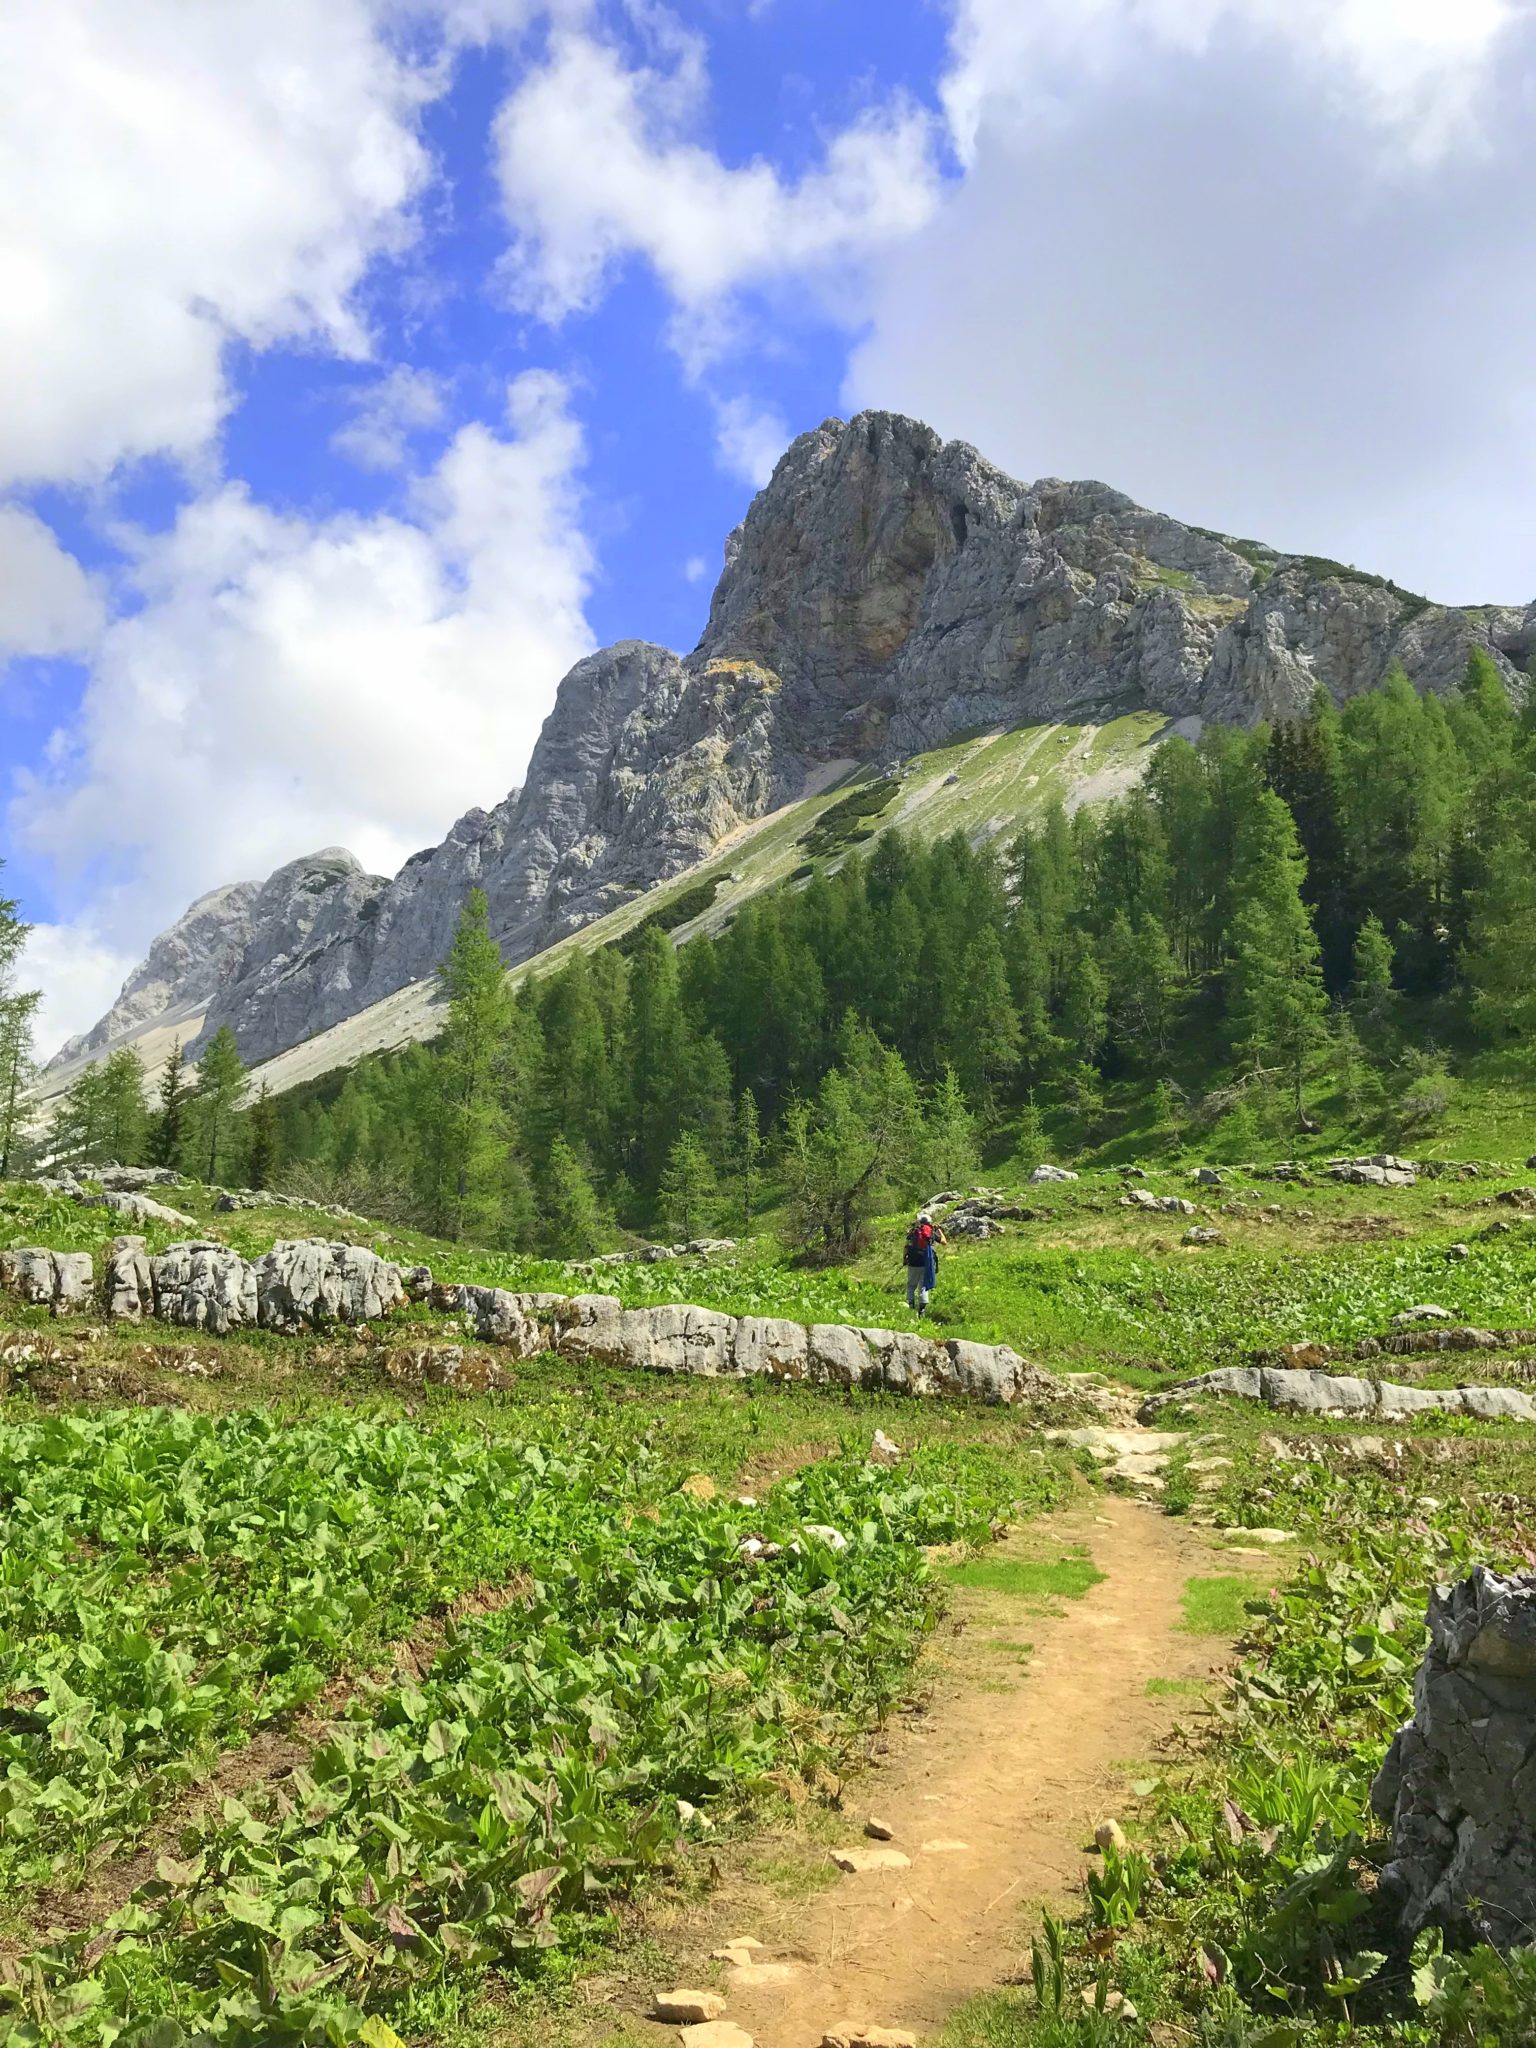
(1000, 779)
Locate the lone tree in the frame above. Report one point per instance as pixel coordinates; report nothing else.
(221, 1082)
(746, 1153)
(262, 1164)
(570, 1220)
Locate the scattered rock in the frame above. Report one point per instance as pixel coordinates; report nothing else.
(1042, 1174)
(689, 1815)
(859, 1862)
(1115, 2002)
(1166, 1205)
(833, 1538)
(1267, 1536)
(1424, 1312)
(685, 2008)
(129, 1285)
(717, 2034)
(942, 1847)
(879, 1830)
(1109, 1835)
(1302, 1357)
(1458, 1251)
(740, 1949)
(1199, 1234)
(883, 1451)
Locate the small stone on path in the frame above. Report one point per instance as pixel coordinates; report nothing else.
(758, 1976)
(879, 1830)
(687, 2008)
(944, 1848)
(849, 2034)
(1109, 1835)
(741, 1948)
(717, 2034)
(860, 1861)
(1267, 1535)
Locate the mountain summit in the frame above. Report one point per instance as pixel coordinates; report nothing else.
(887, 591)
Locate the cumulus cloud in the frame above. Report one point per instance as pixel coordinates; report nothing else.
(1192, 254)
(749, 439)
(599, 162)
(48, 604)
(386, 413)
(287, 683)
(172, 177)
(1411, 65)
(79, 974)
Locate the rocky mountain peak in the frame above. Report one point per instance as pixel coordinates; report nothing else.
(886, 591)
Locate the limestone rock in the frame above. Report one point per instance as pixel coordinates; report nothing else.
(855, 2034)
(1109, 1835)
(1457, 1784)
(129, 1287)
(59, 1281)
(1041, 1174)
(879, 1830)
(132, 1180)
(1323, 1393)
(143, 1209)
(860, 1862)
(685, 2008)
(716, 2034)
(304, 1285)
(752, 1976)
(205, 1287)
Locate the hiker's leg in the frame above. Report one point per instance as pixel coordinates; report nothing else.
(913, 1276)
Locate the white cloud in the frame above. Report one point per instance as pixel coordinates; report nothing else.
(79, 975)
(599, 163)
(695, 569)
(291, 683)
(386, 413)
(48, 604)
(1413, 65)
(749, 439)
(1189, 259)
(172, 176)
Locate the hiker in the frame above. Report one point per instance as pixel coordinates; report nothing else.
(923, 1240)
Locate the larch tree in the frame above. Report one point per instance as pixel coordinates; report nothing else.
(1277, 1006)
(469, 1135)
(216, 1103)
(687, 1186)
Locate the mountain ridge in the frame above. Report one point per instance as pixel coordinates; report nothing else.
(885, 592)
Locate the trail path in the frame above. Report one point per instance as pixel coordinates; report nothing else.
(1019, 1772)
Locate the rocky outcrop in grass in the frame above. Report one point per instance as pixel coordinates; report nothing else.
(1314, 1392)
(1459, 1782)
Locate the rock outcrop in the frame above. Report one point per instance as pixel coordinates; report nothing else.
(180, 974)
(60, 1281)
(886, 591)
(596, 1328)
(1313, 1392)
(304, 1286)
(1459, 1782)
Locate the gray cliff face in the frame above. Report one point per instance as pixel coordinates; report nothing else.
(886, 591)
(182, 971)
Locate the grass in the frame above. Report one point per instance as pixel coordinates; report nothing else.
(1172, 1688)
(1061, 1578)
(1218, 1607)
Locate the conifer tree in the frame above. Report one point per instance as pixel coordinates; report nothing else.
(215, 1105)
(18, 1015)
(687, 1187)
(949, 1138)
(1030, 1147)
(570, 1222)
(1276, 1003)
(657, 1048)
(987, 1026)
(125, 1114)
(746, 1157)
(851, 1152)
(18, 1011)
(468, 1133)
(1372, 997)
(1081, 1016)
(262, 1163)
(168, 1133)
(1499, 964)
(77, 1135)
(1139, 986)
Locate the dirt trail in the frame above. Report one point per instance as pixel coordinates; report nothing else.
(1018, 1772)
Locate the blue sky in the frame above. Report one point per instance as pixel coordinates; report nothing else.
(367, 361)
